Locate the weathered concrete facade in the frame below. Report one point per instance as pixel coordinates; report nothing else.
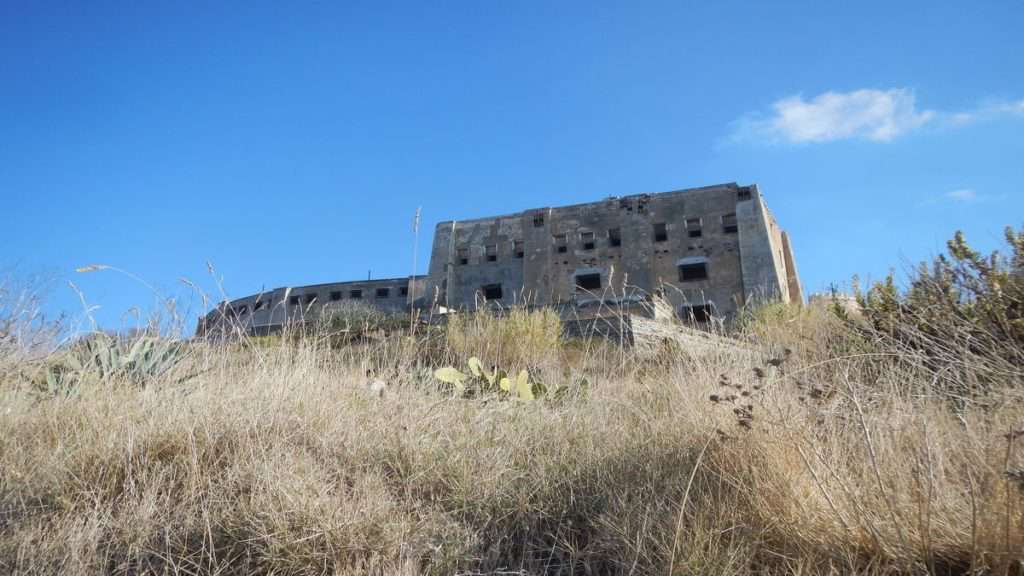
(708, 251)
(268, 311)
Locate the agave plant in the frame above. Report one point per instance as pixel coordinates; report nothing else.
(101, 357)
(480, 380)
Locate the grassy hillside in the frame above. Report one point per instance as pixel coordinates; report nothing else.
(277, 458)
(885, 443)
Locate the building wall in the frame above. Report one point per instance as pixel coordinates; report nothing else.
(636, 245)
(266, 311)
(742, 262)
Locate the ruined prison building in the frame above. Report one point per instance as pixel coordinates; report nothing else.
(707, 251)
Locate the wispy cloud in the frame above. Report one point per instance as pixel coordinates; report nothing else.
(868, 114)
(961, 195)
(988, 111)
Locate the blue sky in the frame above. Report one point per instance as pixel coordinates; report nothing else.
(290, 145)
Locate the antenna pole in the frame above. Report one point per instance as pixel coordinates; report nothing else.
(412, 279)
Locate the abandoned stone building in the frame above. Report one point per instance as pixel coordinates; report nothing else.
(706, 251)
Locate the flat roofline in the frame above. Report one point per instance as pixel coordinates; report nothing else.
(326, 284)
(724, 185)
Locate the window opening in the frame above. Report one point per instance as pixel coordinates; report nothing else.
(492, 292)
(588, 281)
(588, 240)
(615, 237)
(700, 313)
(692, 272)
(660, 232)
(729, 224)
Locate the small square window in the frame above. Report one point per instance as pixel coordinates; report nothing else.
(614, 237)
(743, 194)
(355, 294)
(588, 240)
(242, 310)
(462, 254)
(293, 301)
(693, 272)
(491, 292)
(403, 291)
(492, 252)
(660, 232)
(560, 243)
(383, 293)
(336, 295)
(729, 224)
(588, 281)
(309, 298)
(259, 305)
(538, 220)
(517, 247)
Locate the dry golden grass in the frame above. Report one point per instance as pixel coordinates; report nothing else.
(278, 460)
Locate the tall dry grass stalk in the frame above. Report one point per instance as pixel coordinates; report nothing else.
(834, 457)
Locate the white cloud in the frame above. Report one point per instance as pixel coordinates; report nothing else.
(1016, 108)
(879, 115)
(962, 195)
(876, 115)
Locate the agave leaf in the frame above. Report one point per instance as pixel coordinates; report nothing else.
(137, 350)
(476, 367)
(52, 381)
(450, 375)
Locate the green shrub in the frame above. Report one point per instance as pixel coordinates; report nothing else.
(960, 307)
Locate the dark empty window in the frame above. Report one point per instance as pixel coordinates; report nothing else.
(259, 305)
(700, 313)
(693, 228)
(357, 294)
(383, 292)
(560, 243)
(694, 271)
(336, 295)
(403, 291)
(492, 292)
(729, 225)
(743, 194)
(660, 232)
(588, 240)
(517, 247)
(243, 310)
(294, 301)
(463, 256)
(538, 220)
(309, 298)
(492, 252)
(588, 281)
(615, 237)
